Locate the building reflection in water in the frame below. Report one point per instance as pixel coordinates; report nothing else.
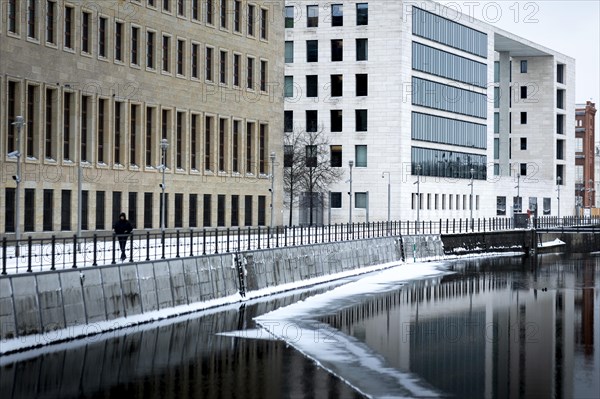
(497, 328)
(182, 358)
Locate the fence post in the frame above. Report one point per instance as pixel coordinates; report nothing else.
(268, 237)
(177, 243)
(131, 247)
(114, 252)
(285, 230)
(163, 243)
(52, 256)
(301, 234)
(4, 250)
(74, 251)
(29, 253)
(95, 261)
(147, 245)
(258, 237)
(227, 250)
(248, 235)
(216, 240)
(276, 236)
(191, 242)
(294, 236)
(204, 241)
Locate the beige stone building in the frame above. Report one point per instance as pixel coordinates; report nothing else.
(101, 84)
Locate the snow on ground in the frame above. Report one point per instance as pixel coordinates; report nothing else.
(557, 242)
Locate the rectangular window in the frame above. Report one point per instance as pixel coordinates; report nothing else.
(10, 210)
(337, 50)
(496, 148)
(288, 156)
(237, 67)
(237, 15)
(179, 140)
(288, 86)
(311, 121)
(523, 118)
(336, 156)
(523, 169)
(135, 40)
(560, 124)
(523, 66)
(362, 49)
(195, 58)
(31, 119)
(48, 222)
(180, 57)
(13, 101)
(337, 15)
(149, 133)
(209, 12)
(263, 75)
(166, 5)
(361, 120)
(312, 20)
(220, 210)
(85, 31)
(223, 67)
(69, 27)
(194, 142)
(150, 50)
(118, 41)
(262, 148)
(360, 156)
(496, 122)
(65, 210)
(335, 200)
(13, 16)
(195, 9)
(133, 134)
(100, 209)
(248, 210)
(207, 211)
(85, 206)
(264, 19)
(117, 130)
(523, 143)
(289, 52)
(312, 51)
(250, 73)
(360, 200)
(250, 20)
(178, 210)
(336, 120)
(362, 84)
(560, 73)
(235, 210)
(496, 72)
(208, 121)
(49, 124)
(236, 147)
(193, 210)
(523, 91)
(312, 86)
(132, 212)
(208, 73)
(289, 16)
(222, 143)
(224, 13)
(102, 40)
(181, 8)
(362, 14)
(311, 156)
(50, 23)
(288, 121)
(148, 210)
(166, 41)
(560, 99)
(249, 147)
(32, 19)
(85, 120)
(67, 126)
(337, 85)
(166, 209)
(560, 149)
(262, 208)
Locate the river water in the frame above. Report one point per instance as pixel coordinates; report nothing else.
(486, 327)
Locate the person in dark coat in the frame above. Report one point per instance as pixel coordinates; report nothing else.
(122, 229)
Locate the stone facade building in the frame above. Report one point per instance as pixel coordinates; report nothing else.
(585, 154)
(101, 84)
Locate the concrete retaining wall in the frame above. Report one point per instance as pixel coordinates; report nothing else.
(578, 242)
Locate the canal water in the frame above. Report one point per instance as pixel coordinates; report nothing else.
(487, 327)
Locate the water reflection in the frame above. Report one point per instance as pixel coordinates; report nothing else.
(497, 328)
(177, 359)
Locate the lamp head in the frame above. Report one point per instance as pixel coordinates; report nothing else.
(164, 144)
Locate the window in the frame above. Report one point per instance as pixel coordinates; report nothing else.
(237, 15)
(48, 200)
(289, 52)
(288, 121)
(118, 41)
(180, 12)
(362, 84)
(311, 155)
(312, 51)
(312, 86)
(288, 156)
(362, 49)
(523, 66)
(560, 124)
(360, 156)
(49, 123)
(361, 200)
(209, 12)
(337, 15)
(361, 120)
(207, 211)
(496, 97)
(264, 19)
(362, 14)
(311, 121)
(523, 169)
(100, 209)
(523, 118)
(289, 16)
(85, 30)
(336, 156)
(193, 210)
(10, 210)
(222, 144)
(223, 67)
(496, 71)
(65, 210)
(560, 149)
(523, 91)
(235, 156)
(166, 44)
(337, 50)
(180, 57)
(149, 134)
(102, 37)
(30, 118)
(195, 10)
(496, 148)
(262, 148)
(560, 99)
(117, 132)
(135, 47)
(69, 27)
(250, 20)
(50, 23)
(208, 68)
(263, 75)
(496, 122)
(560, 73)
(224, 13)
(288, 86)
(236, 69)
(32, 19)
(248, 210)
(435, 95)
(262, 208)
(167, 5)
(312, 13)
(220, 210)
(194, 142)
(133, 134)
(150, 50)
(336, 120)
(250, 73)
(179, 140)
(195, 58)
(67, 125)
(578, 144)
(335, 200)
(148, 212)
(523, 143)
(13, 13)
(337, 85)
(249, 147)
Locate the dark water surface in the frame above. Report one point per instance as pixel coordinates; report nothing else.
(499, 328)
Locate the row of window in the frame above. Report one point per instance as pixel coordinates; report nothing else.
(334, 14)
(451, 164)
(47, 14)
(335, 153)
(179, 56)
(312, 123)
(118, 132)
(441, 63)
(430, 201)
(518, 205)
(335, 86)
(435, 95)
(437, 129)
(444, 31)
(337, 50)
(94, 206)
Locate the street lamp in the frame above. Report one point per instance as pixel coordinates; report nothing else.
(558, 180)
(164, 144)
(19, 122)
(418, 183)
(272, 189)
(389, 195)
(471, 200)
(518, 187)
(350, 164)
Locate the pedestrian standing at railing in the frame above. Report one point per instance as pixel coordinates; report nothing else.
(123, 229)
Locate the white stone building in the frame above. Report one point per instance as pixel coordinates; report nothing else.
(406, 88)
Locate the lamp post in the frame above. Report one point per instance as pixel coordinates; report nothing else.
(272, 189)
(471, 199)
(418, 183)
(350, 164)
(164, 144)
(518, 187)
(19, 122)
(558, 180)
(389, 196)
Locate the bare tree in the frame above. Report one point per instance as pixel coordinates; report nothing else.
(293, 169)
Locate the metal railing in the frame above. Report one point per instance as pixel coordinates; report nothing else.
(43, 254)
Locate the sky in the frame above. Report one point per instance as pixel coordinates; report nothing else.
(569, 27)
